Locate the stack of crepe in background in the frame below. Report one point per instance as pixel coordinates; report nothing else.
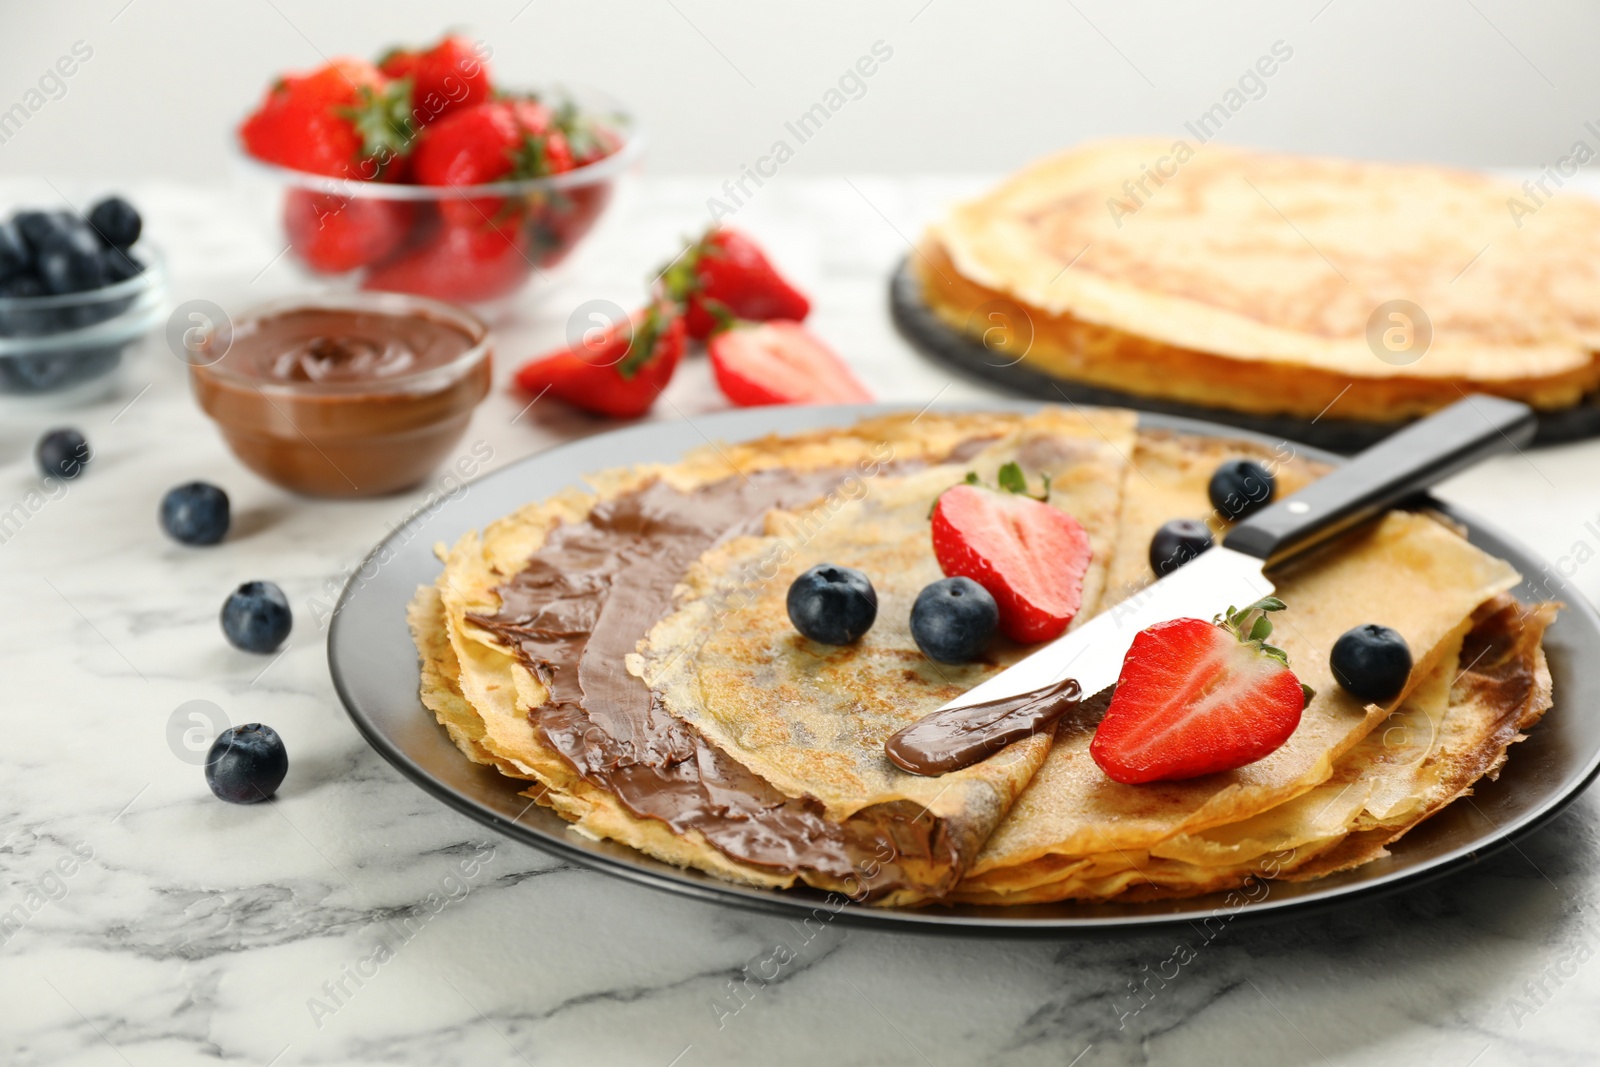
(778, 742)
(1266, 284)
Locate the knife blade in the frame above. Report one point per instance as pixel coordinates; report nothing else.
(1235, 573)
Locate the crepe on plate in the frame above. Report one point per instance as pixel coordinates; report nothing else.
(750, 709)
(1350, 780)
(1253, 282)
(834, 814)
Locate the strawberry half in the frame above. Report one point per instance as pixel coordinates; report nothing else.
(780, 363)
(1199, 697)
(726, 275)
(618, 372)
(1030, 556)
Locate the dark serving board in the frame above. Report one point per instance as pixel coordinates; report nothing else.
(374, 668)
(956, 350)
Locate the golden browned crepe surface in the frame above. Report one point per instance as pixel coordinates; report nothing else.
(1249, 280)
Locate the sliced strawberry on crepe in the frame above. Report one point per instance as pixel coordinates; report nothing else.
(1199, 697)
(726, 275)
(448, 76)
(780, 363)
(1031, 557)
(618, 371)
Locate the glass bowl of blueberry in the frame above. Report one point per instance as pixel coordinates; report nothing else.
(76, 292)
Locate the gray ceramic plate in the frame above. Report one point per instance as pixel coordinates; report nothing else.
(375, 671)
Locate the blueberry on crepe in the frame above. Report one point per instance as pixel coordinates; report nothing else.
(953, 620)
(1240, 487)
(1371, 662)
(832, 605)
(1176, 543)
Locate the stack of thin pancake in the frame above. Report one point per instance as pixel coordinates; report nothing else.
(1268, 284)
(627, 651)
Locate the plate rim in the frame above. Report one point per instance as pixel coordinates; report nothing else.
(935, 919)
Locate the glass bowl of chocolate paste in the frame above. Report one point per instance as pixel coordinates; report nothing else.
(343, 394)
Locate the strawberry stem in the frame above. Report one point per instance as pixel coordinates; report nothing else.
(1252, 627)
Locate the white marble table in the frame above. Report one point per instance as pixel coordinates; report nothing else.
(150, 924)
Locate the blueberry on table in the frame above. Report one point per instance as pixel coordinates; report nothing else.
(832, 605)
(1241, 486)
(953, 620)
(116, 221)
(62, 453)
(70, 262)
(256, 617)
(246, 763)
(1371, 662)
(195, 513)
(15, 255)
(1176, 543)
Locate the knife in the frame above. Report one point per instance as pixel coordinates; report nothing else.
(1235, 573)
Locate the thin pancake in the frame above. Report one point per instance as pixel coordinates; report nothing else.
(1248, 280)
(503, 690)
(1453, 730)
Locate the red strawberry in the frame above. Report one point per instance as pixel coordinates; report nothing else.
(345, 120)
(618, 372)
(780, 363)
(1030, 556)
(462, 263)
(725, 274)
(1199, 697)
(333, 234)
(448, 76)
(499, 140)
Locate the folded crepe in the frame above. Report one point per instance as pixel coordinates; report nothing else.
(1262, 283)
(782, 777)
(1076, 834)
(626, 650)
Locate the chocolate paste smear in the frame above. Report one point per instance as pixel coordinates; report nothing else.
(950, 740)
(584, 601)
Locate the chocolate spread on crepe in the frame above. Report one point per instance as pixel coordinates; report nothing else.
(959, 737)
(583, 602)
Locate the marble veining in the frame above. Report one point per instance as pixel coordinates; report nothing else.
(357, 921)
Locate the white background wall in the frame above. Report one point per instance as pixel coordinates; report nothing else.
(972, 86)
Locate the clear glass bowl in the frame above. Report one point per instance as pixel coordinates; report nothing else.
(465, 244)
(70, 347)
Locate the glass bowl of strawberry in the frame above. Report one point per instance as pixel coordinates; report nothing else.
(418, 174)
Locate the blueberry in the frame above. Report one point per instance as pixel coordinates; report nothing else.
(1176, 543)
(62, 454)
(246, 763)
(1241, 486)
(70, 262)
(1372, 662)
(116, 221)
(15, 255)
(256, 617)
(953, 620)
(832, 605)
(195, 513)
(119, 266)
(38, 227)
(19, 317)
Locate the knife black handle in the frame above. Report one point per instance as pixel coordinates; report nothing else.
(1399, 466)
